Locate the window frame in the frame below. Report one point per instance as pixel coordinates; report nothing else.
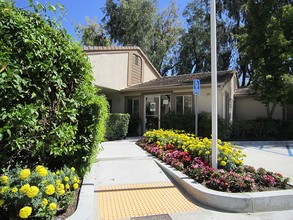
(183, 103)
(131, 111)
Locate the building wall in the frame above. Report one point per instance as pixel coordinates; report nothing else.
(117, 102)
(247, 108)
(110, 69)
(135, 69)
(204, 99)
(148, 73)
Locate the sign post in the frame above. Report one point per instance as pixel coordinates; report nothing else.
(214, 86)
(196, 92)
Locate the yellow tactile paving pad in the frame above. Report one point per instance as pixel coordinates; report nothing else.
(133, 200)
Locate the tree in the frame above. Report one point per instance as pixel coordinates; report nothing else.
(92, 34)
(234, 17)
(266, 42)
(194, 51)
(138, 22)
(51, 113)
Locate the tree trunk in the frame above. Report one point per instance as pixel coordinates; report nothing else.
(270, 111)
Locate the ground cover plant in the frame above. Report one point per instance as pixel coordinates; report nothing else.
(37, 193)
(192, 156)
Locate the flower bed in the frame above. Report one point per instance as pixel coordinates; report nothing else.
(37, 193)
(192, 156)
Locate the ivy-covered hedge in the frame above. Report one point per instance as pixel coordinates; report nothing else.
(117, 126)
(50, 111)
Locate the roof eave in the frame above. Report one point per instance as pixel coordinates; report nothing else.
(172, 87)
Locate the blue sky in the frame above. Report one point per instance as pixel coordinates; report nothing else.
(77, 10)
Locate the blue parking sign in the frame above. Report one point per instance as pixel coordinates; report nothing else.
(196, 86)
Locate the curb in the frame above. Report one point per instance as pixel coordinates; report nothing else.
(241, 143)
(236, 202)
(85, 204)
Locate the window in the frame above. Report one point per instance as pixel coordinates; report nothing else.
(133, 107)
(184, 104)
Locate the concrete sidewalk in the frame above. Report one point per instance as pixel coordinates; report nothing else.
(125, 173)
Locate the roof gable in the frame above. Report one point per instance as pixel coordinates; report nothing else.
(93, 49)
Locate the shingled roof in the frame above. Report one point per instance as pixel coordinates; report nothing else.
(181, 81)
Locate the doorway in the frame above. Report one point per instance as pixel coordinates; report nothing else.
(156, 106)
(152, 113)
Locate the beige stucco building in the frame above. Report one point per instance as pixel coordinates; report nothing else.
(132, 84)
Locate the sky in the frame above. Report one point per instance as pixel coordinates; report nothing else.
(78, 10)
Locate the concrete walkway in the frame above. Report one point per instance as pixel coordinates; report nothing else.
(125, 173)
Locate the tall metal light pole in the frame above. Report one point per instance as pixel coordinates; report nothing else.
(214, 86)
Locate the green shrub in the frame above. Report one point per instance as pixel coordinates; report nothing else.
(205, 126)
(117, 126)
(261, 129)
(133, 127)
(179, 122)
(186, 122)
(50, 111)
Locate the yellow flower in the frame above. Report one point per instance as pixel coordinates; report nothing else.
(24, 174)
(2, 202)
(42, 171)
(67, 186)
(66, 179)
(4, 179)
(52, 206)
(44, 202)
(75, 186)
(75, 179)
(25, 212)
(72, 169)
(14, 190)
(4, 189)
(207, 153)
(32, 192)
(223, 163)
(50, 189)
(61, 192)
(58, 182)
(24, 188)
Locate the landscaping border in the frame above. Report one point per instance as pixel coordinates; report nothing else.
(232, 202)
(85, 206)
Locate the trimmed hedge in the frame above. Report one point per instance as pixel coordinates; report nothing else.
(117, 126)
(186, 122)
(261, 129)
(258, 129)
(133, 127)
